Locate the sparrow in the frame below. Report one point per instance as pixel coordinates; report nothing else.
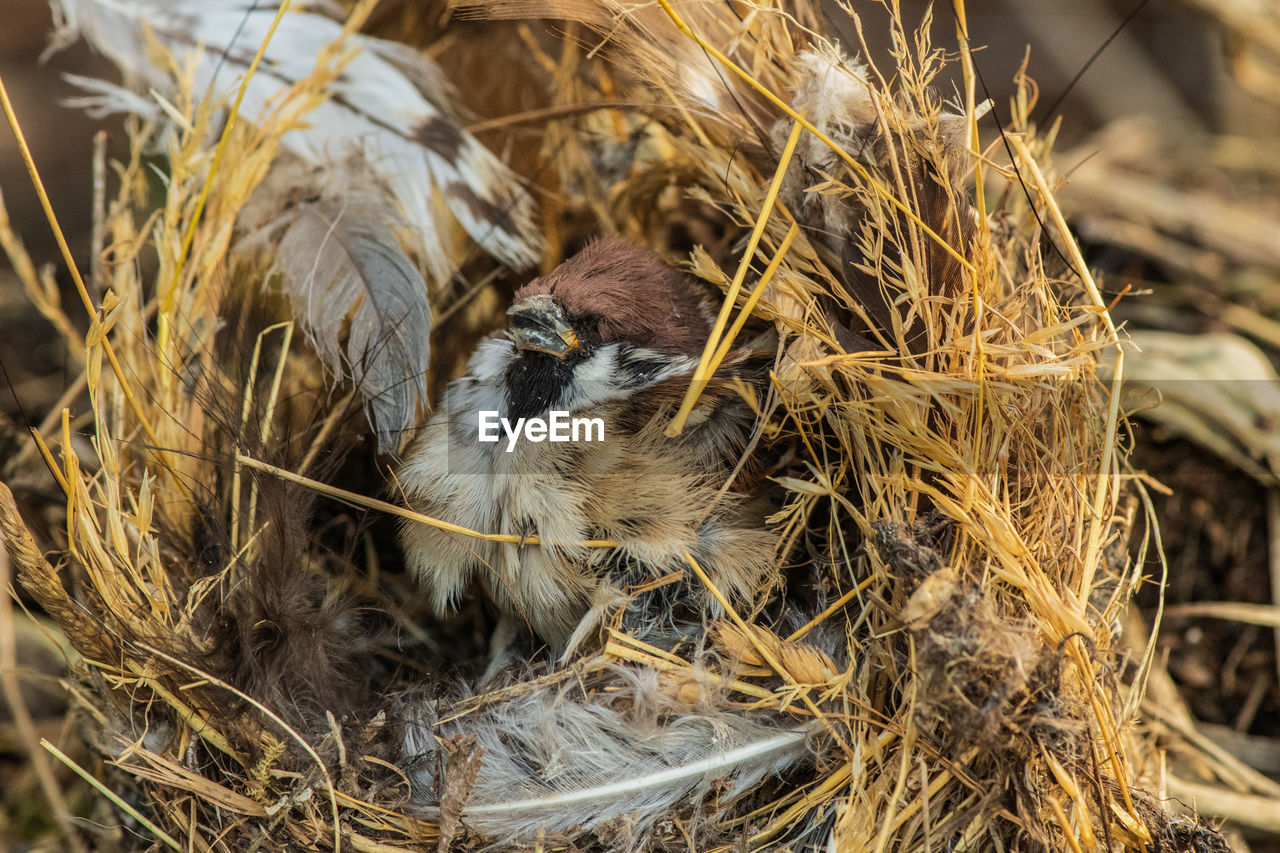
(610, 338)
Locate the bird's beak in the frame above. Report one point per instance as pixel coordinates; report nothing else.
(538, 324)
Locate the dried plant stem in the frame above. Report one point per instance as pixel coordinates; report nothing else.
(801, 692)
(197, 721)
(833, 608)
(112, 796)
(622, 647)
(1262, 615)
(1072, 789)
(367, 845)
(272, 396)
(1248, 809)
(970, 111)
(1101, 518)
(50, 462)
(401, 512)
(891, 819)
(1065, 824)
(545, 114)
(162, 316)
(134, 406)
(683, 109)
(388, 818)
(245, 406)
(707, 363)
(753, 299)
(820, 794)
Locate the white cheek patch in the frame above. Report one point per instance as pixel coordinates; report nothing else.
(678, 367)
(599, 367)
(491, 359)
(597, 379)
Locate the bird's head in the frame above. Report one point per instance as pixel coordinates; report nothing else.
(610, 319)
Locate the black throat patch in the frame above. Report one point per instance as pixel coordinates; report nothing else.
(535, 381)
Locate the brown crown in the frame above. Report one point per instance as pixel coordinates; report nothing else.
(638, 298)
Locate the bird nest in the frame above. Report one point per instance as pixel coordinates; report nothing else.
(954, 525)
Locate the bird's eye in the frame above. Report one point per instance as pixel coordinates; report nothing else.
(588, 327)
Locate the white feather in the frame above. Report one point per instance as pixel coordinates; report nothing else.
(387, 108)
(102, 99)
(558, 763)
(661, 781)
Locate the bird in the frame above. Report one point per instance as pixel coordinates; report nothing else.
(610, 337)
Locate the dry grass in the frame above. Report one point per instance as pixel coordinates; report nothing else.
(963, 486)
